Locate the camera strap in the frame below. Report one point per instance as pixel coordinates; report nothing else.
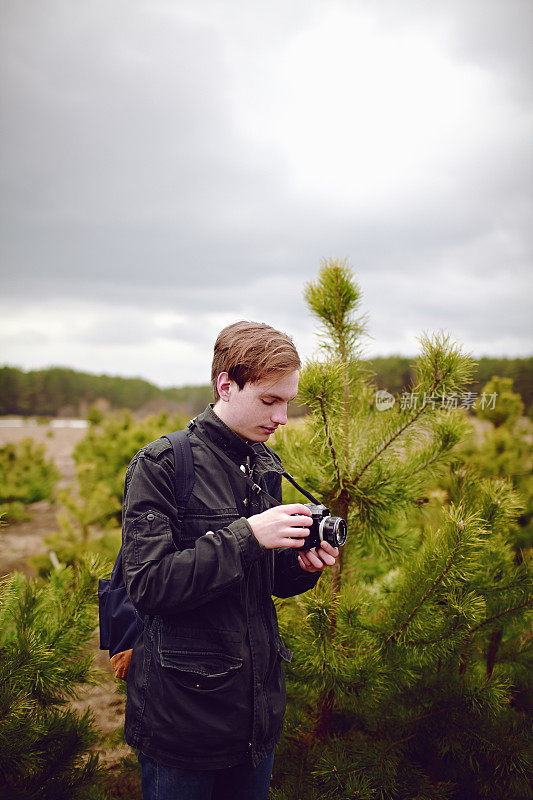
(253, 485)
(303, 491)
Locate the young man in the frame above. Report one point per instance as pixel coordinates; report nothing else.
(206, 692)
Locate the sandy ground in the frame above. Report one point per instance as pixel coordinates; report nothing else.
(59, 443)
(21, 540)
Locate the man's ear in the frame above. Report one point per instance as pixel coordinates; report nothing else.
(224, 386)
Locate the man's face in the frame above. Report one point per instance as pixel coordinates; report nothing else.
(255, 411)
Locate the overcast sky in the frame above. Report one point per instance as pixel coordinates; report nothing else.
(170, 166)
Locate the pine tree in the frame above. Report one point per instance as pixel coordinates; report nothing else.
(508, 407)
(501, 447)
(44, 635)
(26, 476)
(410, 667)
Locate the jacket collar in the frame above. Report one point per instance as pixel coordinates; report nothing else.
(219, 433)
(236, 448)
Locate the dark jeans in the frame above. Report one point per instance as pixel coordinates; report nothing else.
(242, 782)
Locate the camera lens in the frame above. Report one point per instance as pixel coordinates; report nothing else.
(334, 531)
(341, 532)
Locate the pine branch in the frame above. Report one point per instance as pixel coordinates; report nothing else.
(330, 442)
(436, 582)
(343, 351)
(71, 617)
(484, 740)
(494, 646)
(415, 642)
(526, 604)
(367, 628)
(425, 465)
(18, 668)
(470, 635)
(507, 587)
(394, 435)
(333, 299)
(457, 366)
(394, 744)
(415, 720)
(492, 512)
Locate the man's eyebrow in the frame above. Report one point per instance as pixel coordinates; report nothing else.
(277, 397)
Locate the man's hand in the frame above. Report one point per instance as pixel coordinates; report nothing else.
(318, 558)
(275, 527)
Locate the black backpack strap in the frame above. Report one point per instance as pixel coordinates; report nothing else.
(183, 465)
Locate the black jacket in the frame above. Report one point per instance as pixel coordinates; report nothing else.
(205, 686)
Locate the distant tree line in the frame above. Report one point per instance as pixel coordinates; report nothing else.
(396, 373)
(60, 391)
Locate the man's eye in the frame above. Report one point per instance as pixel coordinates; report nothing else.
(266, 403)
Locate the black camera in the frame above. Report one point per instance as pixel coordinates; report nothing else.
(324, 528)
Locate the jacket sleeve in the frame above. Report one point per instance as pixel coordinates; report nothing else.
(158, 577)
(289, 578)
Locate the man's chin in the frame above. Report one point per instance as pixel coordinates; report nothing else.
(261, 435)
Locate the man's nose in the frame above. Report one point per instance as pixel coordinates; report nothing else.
(279, 415)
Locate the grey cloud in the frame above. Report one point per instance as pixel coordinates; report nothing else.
(126, 139)
(122, 159)
(131, 329)
(126, 183)
(493, 35)
(498, 37)
(26, 337)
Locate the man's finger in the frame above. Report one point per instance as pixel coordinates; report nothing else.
(327, 556)
(298, 520)
(297, 508)
(333, 551)
(314, 560)
(292, 542)
(297, 532)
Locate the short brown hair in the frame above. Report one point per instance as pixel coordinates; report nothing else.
(251, 351)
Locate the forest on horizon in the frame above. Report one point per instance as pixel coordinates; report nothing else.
(65, 392)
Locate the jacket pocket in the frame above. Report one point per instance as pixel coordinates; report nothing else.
(152, 537)
(198, 522)
(206, 671)
(200, 692)
(197, 663)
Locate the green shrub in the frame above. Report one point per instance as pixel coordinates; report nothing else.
(505, 452)
(44, 635)
(26, 476)
(91, 516)
(102, 457)
(66, 546)
(499, 403)
(14, 512)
